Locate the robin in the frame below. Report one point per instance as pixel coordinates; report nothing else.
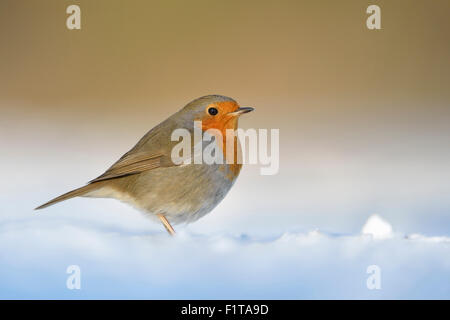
(147, 178)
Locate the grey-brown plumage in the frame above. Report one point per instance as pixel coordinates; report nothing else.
(147, 178)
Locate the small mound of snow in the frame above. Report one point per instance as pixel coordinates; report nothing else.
(377, 227)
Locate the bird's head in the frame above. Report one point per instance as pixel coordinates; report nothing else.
(215, 112)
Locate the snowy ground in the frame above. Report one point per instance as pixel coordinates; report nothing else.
(126, 261)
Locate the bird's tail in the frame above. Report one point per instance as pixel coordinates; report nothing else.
(71, 194)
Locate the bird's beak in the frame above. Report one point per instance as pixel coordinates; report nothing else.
(240, 111)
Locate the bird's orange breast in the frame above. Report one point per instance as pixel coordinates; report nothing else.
(222, 122)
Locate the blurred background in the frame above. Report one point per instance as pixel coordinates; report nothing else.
(363, 114)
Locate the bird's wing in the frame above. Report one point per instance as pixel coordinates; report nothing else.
(132, 164)
(151, 152)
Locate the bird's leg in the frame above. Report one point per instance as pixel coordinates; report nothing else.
(166, 224)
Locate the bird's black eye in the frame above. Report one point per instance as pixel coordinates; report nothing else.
(213, 111)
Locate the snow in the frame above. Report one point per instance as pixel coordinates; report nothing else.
(377, 227)
(121, 259)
